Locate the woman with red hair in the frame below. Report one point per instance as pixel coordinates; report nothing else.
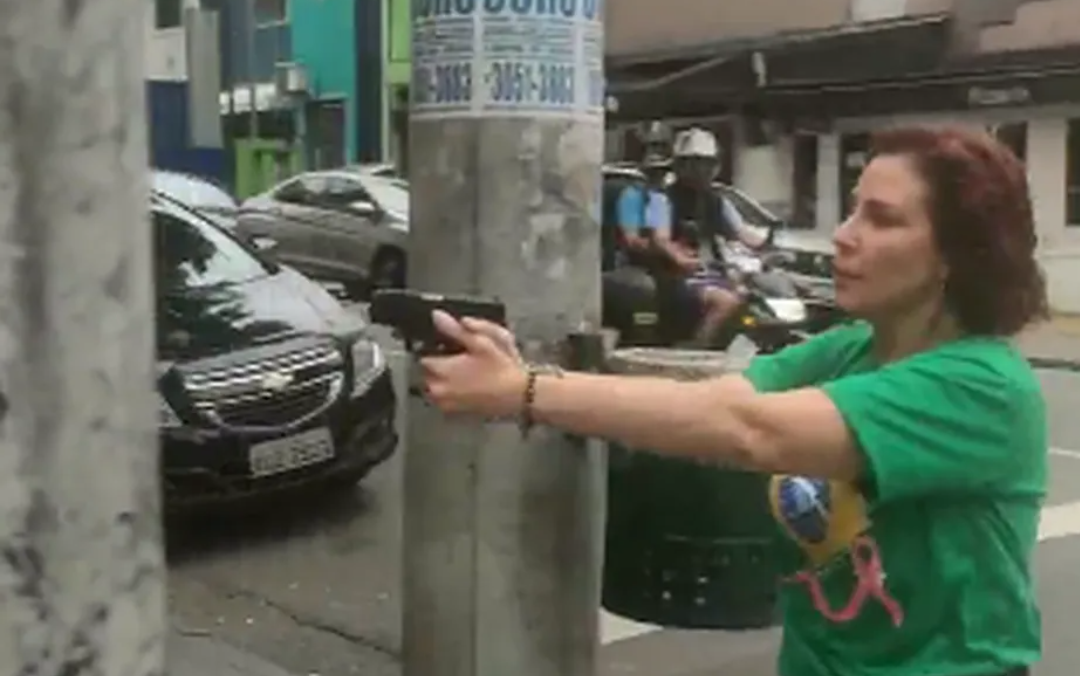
(908, 448)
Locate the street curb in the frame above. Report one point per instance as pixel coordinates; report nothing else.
(1055, 363)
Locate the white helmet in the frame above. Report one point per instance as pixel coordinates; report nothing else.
(696, 142)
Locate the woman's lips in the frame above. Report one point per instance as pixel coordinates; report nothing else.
(841, 275)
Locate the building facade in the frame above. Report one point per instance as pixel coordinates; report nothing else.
(324, 46)
(184, 124)
(338, 44)
(397, 72)
(795, 94)
(256, 130)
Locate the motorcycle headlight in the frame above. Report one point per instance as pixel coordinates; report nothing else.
(167, 417)
(368, 363)
(790, 310)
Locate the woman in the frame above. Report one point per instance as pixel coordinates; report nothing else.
(909, 449)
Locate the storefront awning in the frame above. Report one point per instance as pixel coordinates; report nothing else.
(737, 72)
(946, 92)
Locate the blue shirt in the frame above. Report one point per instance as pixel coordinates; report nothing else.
(642, 208)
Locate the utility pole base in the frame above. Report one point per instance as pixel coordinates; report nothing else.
(504, 535)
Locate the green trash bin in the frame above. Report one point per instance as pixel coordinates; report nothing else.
(688, 545)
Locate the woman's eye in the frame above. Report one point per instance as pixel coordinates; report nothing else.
(882, 217)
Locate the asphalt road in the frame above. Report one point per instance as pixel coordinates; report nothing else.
(313, 585)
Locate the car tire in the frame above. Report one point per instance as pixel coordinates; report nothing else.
(388, 270)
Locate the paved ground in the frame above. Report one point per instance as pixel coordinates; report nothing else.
(201, 654)
(313, 587)
(1055, 343)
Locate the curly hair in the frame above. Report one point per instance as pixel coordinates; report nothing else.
(980, 210)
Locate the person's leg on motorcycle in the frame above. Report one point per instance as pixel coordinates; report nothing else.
(720, 305)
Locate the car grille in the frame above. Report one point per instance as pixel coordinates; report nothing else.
(269, 393)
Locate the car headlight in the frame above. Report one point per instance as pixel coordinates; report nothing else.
(368, 362)
(167, 417)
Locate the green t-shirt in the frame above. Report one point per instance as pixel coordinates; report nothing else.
(956, 461)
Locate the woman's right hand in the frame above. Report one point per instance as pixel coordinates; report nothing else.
(488, 377)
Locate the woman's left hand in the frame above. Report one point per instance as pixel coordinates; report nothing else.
(487, 378)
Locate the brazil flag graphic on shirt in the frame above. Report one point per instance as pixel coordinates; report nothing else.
(829, 520)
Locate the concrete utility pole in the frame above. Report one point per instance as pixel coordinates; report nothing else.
(504, 536)
(81, 574)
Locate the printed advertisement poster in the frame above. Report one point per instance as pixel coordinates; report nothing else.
(506, 58)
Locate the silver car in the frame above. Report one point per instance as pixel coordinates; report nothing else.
(346, 225)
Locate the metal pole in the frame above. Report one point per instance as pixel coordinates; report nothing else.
(81, 575)
(253, 107)
(504, 535)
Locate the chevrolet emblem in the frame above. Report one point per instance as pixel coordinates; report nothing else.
(276, 382)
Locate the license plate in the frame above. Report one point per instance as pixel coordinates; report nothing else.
(282, 455)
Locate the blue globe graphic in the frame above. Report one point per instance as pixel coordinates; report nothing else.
(804, 505)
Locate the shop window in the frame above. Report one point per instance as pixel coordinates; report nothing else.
(399, 128)
(168, 13)
(326, 133)
(271, 11)
(854, 154)
(804, 181)
(1013, 135)
(1072, 175)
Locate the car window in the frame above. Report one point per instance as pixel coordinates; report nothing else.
(301, 190)
(191, 253)
(293, 192)
(314, 184)
(345, 190)
(389, 194)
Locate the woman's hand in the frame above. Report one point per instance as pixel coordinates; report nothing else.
(488, 378)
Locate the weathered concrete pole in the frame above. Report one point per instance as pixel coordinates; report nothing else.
(504, 535)
(81, 575)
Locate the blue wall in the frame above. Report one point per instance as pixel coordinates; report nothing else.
(167, 113)
(324, 43)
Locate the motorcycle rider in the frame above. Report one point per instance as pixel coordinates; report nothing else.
(643, 208)
(699, 214)
(645, 221)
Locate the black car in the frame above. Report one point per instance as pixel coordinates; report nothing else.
(266, 382)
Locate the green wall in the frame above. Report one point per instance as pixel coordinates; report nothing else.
(399, 49)
(324, 43)
(261, 163)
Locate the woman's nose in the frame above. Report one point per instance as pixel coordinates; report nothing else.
(844, 236)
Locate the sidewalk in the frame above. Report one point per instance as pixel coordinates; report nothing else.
(1054, 344)
(189, 654)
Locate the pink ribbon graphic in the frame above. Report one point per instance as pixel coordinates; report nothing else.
(866, 562)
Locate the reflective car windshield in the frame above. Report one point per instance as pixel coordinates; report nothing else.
(191, 191)
(191, 254)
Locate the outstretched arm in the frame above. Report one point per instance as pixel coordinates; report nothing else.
(961, 419)
(722, 420)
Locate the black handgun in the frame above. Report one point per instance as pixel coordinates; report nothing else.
(409, 314)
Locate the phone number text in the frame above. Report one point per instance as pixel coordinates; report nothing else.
(507, 83)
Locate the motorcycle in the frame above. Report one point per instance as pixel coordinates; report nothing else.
(822, 312)
(773, 314)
